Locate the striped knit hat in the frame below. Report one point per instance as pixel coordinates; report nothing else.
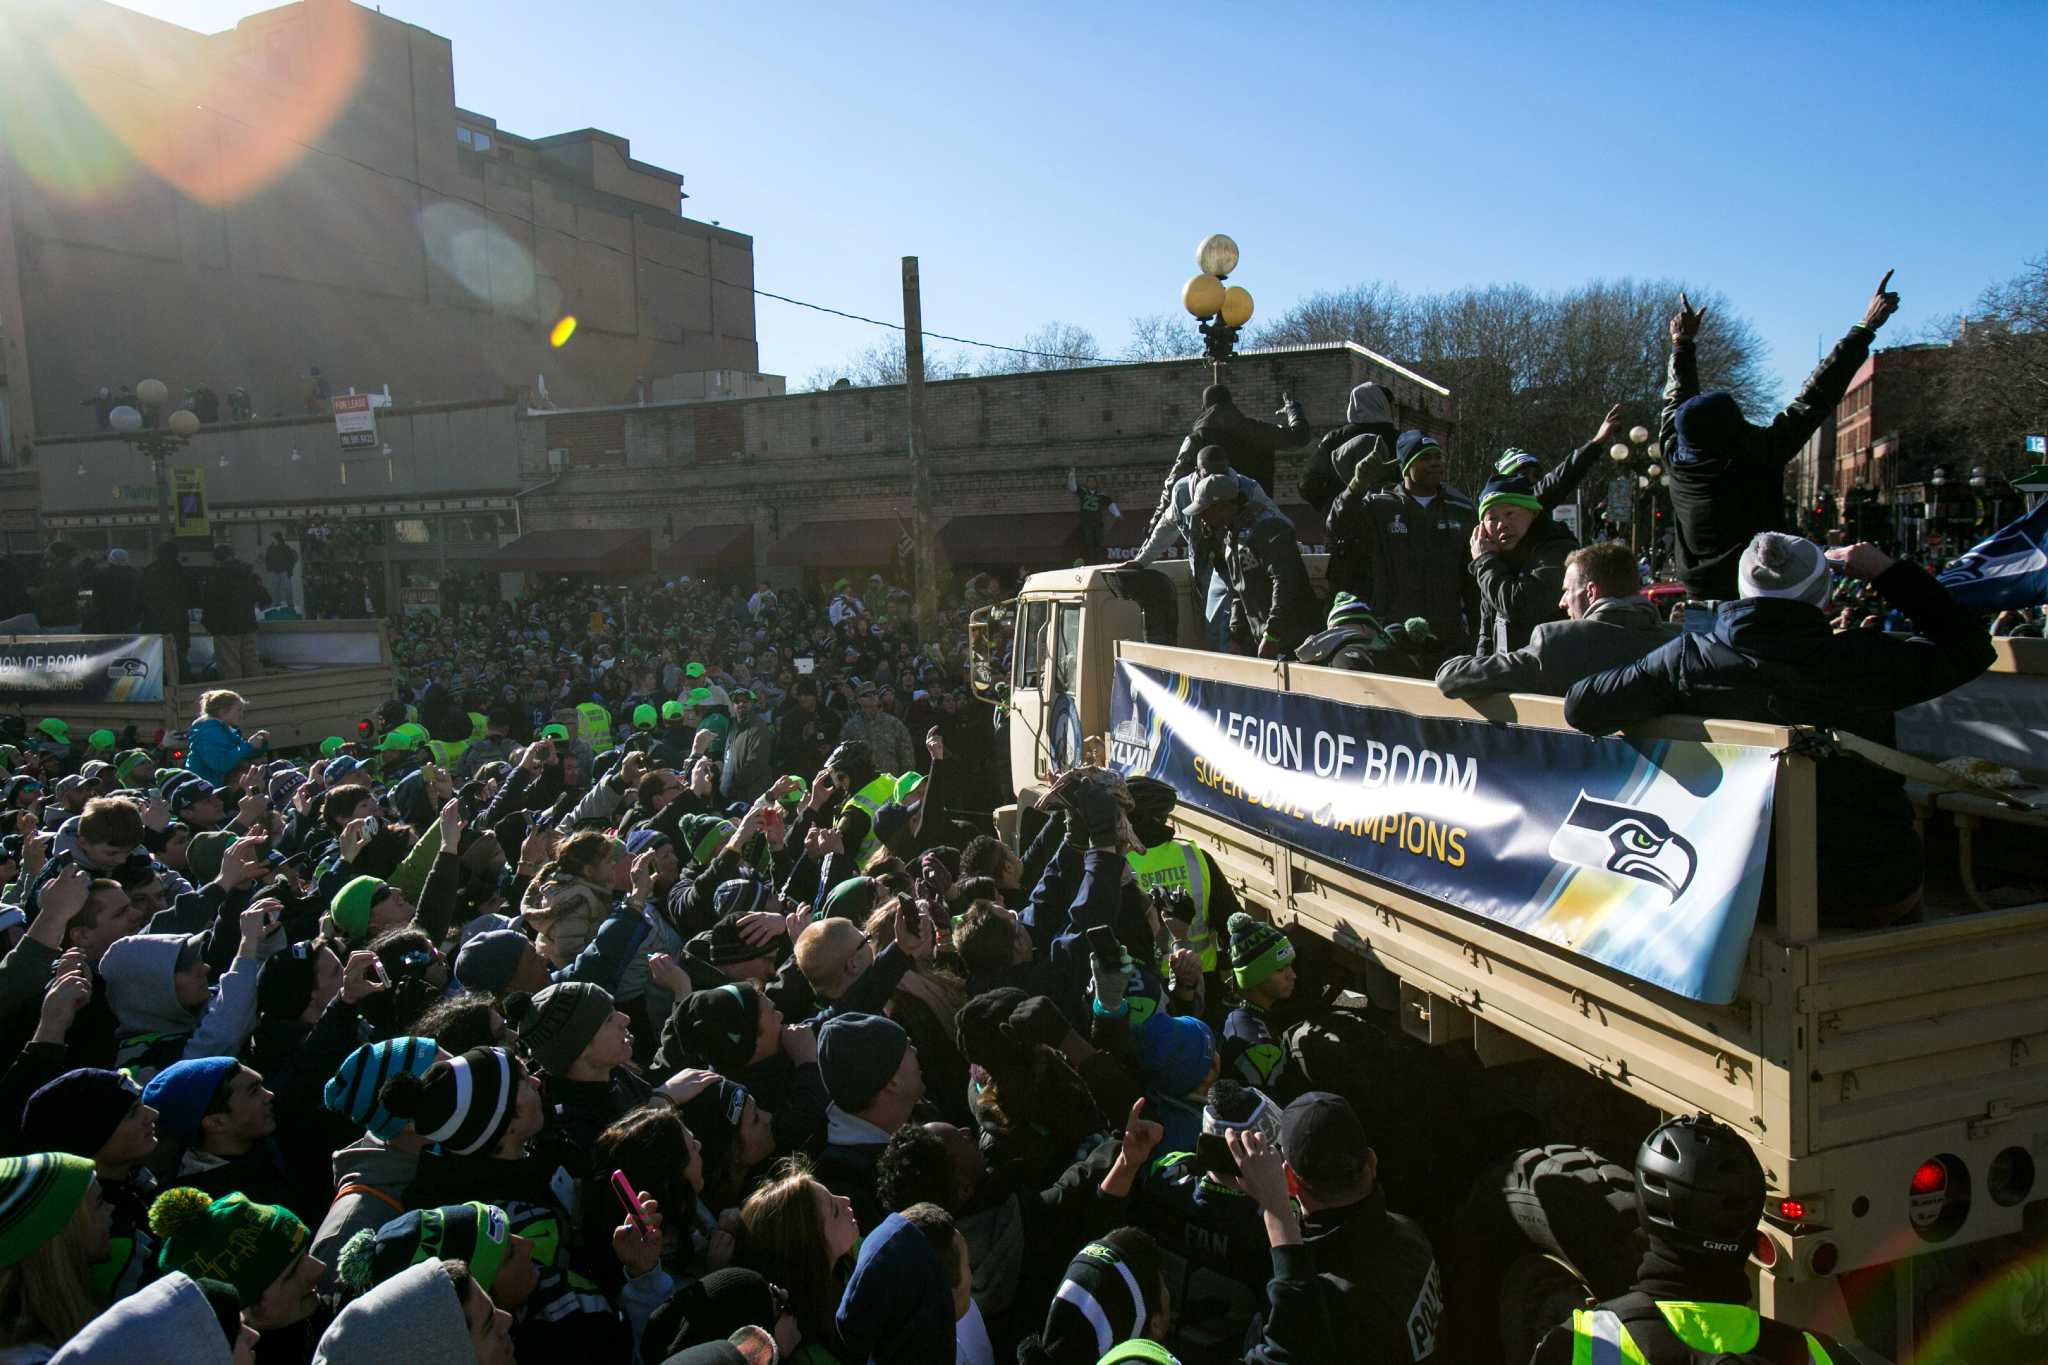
(1346, 610)
(480, 1234)
(355, 1090)
(38, 1195)
(465, 1104)
(1257, 950)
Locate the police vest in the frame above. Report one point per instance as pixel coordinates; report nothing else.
(869, 800)
(1601, 1337)
(1180, 865)
(447, 753)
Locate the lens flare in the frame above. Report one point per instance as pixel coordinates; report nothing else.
(97, 104)
(563, 330)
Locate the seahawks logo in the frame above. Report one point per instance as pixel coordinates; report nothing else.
(1627, 840)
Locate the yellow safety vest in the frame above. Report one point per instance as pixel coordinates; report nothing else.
(870, 800)
(594, 727)
(1180, 865)
(1600, 1338)
(446, 753)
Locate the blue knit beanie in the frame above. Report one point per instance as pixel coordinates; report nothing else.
(182, 1092)
(1174, 1051)
(1411, 446)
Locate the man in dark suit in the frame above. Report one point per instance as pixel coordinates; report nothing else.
(1611, 624)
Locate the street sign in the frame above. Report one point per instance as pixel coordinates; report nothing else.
(1566, 514)
(2037, 445)
(354, 421)
(1621, 498)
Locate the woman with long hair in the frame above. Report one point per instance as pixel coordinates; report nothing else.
(660, 1156)
(54, 1226)
(799, 1235)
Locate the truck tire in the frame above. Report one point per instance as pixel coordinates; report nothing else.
(1540, 1233)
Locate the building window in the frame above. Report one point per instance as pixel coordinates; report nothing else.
(412, 531)
(474, 139)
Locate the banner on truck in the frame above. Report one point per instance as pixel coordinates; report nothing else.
(51, 670)
(1644, 855)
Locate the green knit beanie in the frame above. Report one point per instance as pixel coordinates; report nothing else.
(706, 834)
(1257, 950)
(38, 1195)
(232, 1238)
(350, 908)
(203, 855)
(852, 899)
(126, 762)
(479, 1234)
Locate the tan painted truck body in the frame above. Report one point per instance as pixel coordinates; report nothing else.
(1848, 1059)
(320, 678)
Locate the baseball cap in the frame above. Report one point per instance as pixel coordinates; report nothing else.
(1323, 1141)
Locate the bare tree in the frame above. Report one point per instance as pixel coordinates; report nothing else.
(1162, 336)
(882, 363)
(1056, 346)
(1528, 369)
(1993, 391)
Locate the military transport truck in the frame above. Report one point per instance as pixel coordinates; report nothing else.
(1583, 935)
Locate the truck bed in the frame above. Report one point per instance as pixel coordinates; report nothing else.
(1849, 1059)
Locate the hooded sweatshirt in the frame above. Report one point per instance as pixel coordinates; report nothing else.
(139, 972)
(362, 1171)
(1368, 429)
(898, 1303)
(169, 1320)
(418, 1307)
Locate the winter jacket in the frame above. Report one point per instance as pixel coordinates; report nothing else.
(1367, 435)
(155, 1028)
(1179, 525)
(749, 760)
(116, 598)
(1268, 582)
(1780, 662)
(584, 1109)
(1617, 631)
(213, 748)
(1726, 474)
(229, 601)
(889, 743)
(1406, 559)
(260, 1173)
(166, 598)
(563, 912)
(1379, 1281)
(1250, 443)
(370, 1182)
(1519, 589)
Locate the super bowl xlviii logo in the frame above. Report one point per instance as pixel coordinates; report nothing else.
(1626, 840)
(1130, 744)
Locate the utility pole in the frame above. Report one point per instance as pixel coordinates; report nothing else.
(925, 587)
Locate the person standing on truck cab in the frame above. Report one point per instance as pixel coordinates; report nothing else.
(1725, 472)
(1177, 521)
(1273, 606)
(1773, 657)
(227, 608)
(1405, 549)
(1249, 443)
(1699, 1194)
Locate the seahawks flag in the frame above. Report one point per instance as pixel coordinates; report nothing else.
(2008, 570)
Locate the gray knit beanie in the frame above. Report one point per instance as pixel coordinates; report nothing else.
(1778, 565)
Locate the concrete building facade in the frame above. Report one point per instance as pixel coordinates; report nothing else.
(235, 209)
(773, 487)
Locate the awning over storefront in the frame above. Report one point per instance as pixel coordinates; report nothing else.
(836, 545)
(704, 548)
(573, 551)
(1018, 538)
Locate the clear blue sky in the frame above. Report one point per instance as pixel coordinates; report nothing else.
(1061, 160)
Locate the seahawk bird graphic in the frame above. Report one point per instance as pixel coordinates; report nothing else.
(1625, 839)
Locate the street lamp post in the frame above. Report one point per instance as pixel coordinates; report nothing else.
(1931, 522)
(1647, 482)
(157, 444)
(1221, 309)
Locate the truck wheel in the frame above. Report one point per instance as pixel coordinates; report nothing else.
(1540, 1234)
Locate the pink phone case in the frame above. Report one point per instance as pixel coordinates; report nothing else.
(623, 1188)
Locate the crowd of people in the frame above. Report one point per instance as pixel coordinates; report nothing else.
(642, 982)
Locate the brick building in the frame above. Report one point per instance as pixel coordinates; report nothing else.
(775, 487)
(1883, 443)
(303, 190)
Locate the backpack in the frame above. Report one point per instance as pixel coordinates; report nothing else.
(1776, 1344)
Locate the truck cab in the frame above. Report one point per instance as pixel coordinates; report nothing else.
(1894, 1083)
